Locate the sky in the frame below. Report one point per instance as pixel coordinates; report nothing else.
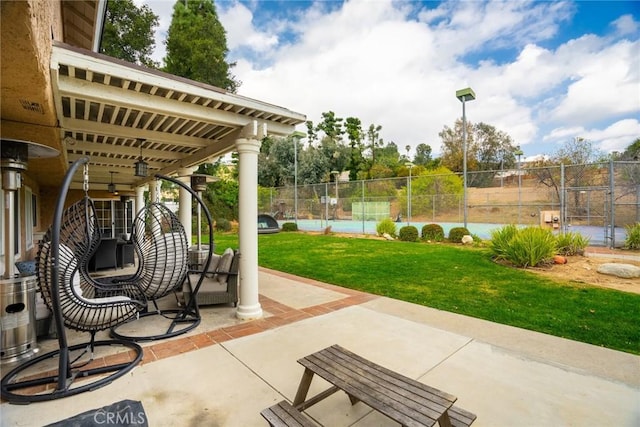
(544, 72)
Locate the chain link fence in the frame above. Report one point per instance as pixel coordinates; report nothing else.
(599, 199)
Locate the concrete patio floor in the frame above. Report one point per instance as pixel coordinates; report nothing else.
(226, 371)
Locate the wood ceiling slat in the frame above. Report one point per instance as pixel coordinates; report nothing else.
(188, 127)
(125, 117)
(199, 126)
(167, 125)
(136, 122)
(149, 120)
(160, 122)
(203, 131)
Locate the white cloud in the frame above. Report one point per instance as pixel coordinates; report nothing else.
(626, 25)
(240, 31)
(616, 137)
(399, 64)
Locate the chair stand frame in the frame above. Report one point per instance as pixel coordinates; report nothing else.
(68, 370)
(190, 314)
(177, 316)
(64, 382)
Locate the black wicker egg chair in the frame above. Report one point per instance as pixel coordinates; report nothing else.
(78, 303)
(161, 244)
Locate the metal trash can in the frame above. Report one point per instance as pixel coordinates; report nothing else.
(18, 318)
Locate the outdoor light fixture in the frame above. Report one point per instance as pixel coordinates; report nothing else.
(112, 187)
(464, 95)
(141, 167)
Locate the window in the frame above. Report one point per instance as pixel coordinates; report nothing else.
(114, 217)
(34, 207)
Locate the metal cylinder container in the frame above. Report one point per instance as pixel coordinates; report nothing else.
(18, 318)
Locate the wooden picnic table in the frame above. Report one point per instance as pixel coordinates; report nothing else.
(403, 399)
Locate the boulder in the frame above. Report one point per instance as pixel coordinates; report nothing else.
(626, 271)
(387, 236)
(559, 259)
(467, 240)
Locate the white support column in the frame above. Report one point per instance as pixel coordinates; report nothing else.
(154, 191)
(248, 150)
(184, 209)
(139, 200)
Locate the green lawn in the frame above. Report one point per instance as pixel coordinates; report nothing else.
(457, 279)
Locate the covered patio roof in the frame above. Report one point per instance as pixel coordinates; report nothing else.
(66, 96)
(109, 109)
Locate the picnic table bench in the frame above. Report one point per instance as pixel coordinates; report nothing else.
(404, 400)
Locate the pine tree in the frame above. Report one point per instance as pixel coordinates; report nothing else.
(197, 45)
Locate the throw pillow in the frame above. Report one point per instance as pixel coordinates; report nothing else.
(26, 267)
(224, 265)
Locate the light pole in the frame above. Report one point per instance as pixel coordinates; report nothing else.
(519, 153)
(409, 165)
(501, 167)
(464, 95)
(335, 178)
(297, 135)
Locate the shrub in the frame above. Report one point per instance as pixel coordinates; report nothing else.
(571, 243)
(409, 233)
(530, 247)
(501, 239)
(477, 240)
(456, 233)
(633, 236)
(289, 226)
(386, 226)
(223, 224)
(432, 232)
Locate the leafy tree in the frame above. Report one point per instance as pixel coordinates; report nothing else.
(313, 166)
(577, 151)
(128, 32)
(374, 141)
(424, 157)
(331, 126)
(221, 198)
(197, 45)
(488, 149)
(438, 186)
(379, 170)
(632, 152)
(389, 156)
(312, 134)
(276, 162)
(578, 155)
(353, 127)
